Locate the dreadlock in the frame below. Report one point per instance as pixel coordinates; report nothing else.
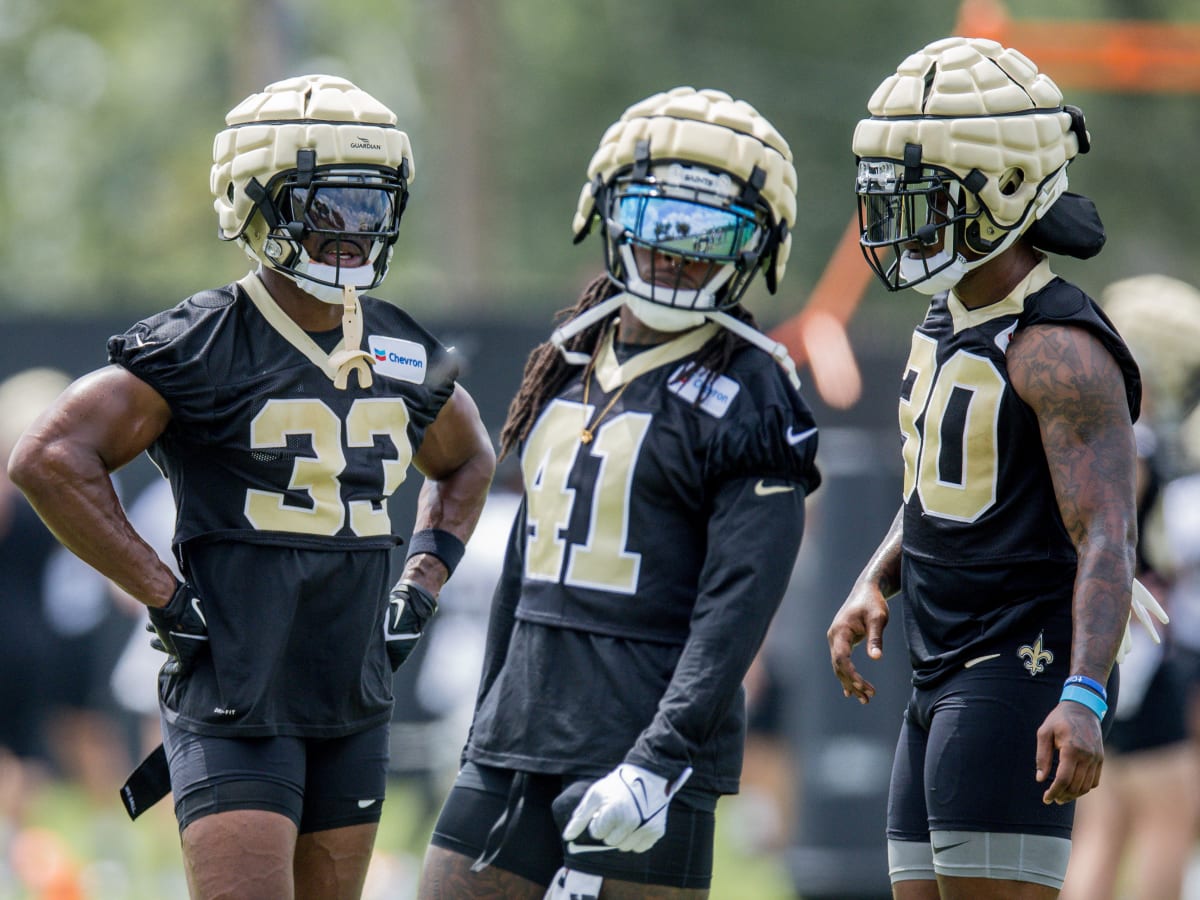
(546, 371)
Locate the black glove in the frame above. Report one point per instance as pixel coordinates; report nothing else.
(410, 606)
(181, 629)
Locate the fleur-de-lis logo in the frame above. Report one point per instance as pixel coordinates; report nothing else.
(1036, 656)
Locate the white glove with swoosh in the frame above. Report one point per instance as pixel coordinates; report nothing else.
(627, 808)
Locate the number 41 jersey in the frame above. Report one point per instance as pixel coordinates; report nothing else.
(985, 547)
(617, 529)
(663, 510)
(281, 482)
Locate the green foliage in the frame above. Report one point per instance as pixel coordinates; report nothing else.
(108, 110)
(71, 844)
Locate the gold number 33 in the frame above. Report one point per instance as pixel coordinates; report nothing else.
(318, 475)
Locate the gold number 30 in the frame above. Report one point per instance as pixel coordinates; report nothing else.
(319, 475)
(952, 460)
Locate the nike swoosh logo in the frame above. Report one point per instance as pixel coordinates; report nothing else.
(643, 802)
(573, 847)
(398, 608)
(793, 439)
(949, 847)
(364, 804)
(199, 611)
(976, 661)
(762, 489)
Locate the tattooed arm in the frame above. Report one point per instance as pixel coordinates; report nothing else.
(1075, 388)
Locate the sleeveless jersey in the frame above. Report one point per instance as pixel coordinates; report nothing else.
(645, 564)
(985, 550)
(273, 466)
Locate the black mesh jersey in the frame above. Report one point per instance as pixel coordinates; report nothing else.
(647, 560)
(281, 482)
(986, 556)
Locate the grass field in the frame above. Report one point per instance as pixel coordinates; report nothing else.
(72, 849)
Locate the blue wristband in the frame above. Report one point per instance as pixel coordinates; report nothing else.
(437, 542)
(1089, 683)
(1084, 697)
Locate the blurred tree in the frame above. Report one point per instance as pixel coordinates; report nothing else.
(108, 110)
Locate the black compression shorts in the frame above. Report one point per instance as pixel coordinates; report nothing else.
(317, 783)
(529, 843)
(966, 756)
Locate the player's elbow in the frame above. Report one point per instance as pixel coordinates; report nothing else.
(475, 476)
(37, 462)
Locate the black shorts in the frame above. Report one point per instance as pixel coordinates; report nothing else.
(530, 843)
(1161, 717)
(317, 783)
(966, 757)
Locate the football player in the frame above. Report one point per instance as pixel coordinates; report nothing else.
(666, 454)
(1014, 547)
(284, 409)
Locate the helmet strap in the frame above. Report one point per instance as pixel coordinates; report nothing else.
(584, 320)
(774, 349)
(351, 358)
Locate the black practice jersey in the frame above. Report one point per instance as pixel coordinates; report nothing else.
(649, 554)
(281, 482)
(986, 556)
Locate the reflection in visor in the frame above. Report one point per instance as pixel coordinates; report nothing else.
(686, 228)
(349, 210)
(899, 212)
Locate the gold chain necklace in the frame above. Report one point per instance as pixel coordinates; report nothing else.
(589, 431)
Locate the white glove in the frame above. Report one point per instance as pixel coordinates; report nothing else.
(626, 809)
(1143, 605)
(571, 885)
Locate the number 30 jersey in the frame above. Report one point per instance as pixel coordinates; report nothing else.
(281, 482)
(985, 550)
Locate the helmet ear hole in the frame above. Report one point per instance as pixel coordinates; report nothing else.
(1011, 182)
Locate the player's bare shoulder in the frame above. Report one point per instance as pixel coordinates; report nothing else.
(1067, 374)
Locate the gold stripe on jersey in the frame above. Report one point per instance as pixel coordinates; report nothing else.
(611, 374)
(1012, 305)
(287, 328)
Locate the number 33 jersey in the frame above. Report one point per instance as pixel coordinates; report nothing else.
(281, 482)
(986, 552)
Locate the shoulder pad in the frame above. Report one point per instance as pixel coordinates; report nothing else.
(215, 298)
(1060, 300)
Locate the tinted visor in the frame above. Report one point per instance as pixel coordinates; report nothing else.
(685, 227)
(345, 210)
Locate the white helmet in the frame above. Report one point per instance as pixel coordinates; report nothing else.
(967, 145)
(696, 176)
(313, 160)
(1159, 318)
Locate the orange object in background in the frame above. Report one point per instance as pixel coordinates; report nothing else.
(45, 866)
(817, 334)
(1098, 54)
(1107, 55)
